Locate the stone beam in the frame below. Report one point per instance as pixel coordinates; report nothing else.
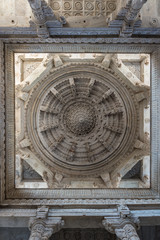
(13, 217)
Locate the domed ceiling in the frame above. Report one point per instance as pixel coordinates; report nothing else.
(82, 121)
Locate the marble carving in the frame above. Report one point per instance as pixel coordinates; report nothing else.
(80, 121)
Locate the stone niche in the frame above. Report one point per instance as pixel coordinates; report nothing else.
(82, 120)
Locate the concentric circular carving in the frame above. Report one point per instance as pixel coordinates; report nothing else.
(89, 6)
(55, 6)
(111, 6)
(81, 119)
(100, 6)
(67, 6)
(78, 6)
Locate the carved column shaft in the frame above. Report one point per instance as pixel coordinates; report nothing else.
(38, 15)
(134, 10)
(39, 18)
(130, 19)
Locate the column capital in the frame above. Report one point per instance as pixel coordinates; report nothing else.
(42, 226)
(123, 225)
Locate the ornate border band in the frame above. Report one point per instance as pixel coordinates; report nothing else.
(75, 196)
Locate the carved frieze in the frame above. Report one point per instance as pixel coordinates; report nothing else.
(83, 8)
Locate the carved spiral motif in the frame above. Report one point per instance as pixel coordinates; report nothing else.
(85, 119)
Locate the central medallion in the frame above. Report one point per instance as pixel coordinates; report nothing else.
(80, 118)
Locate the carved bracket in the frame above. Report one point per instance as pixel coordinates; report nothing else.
(123, 226)
(131, 17)
(42, 226)
(43, 17)
(128, 18)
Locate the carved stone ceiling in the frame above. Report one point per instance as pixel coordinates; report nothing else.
(84, 13)
(13, 14)
(82, 120)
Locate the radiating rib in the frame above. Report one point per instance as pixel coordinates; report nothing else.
(73, 86)
(106, 95)
(90, 85)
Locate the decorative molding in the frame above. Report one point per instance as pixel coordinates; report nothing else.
(70, 197)
(138, 34)
(2, 123)
(87, 40)
(80, 47)
(81, 202)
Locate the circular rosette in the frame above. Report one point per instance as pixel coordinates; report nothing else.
(81, 119)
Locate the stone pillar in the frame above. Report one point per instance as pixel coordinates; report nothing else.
(42, 226)
(123, 226)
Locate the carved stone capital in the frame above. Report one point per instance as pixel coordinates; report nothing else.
(42, 226)
(124, 225)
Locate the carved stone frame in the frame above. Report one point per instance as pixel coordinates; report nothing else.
(12, 196)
